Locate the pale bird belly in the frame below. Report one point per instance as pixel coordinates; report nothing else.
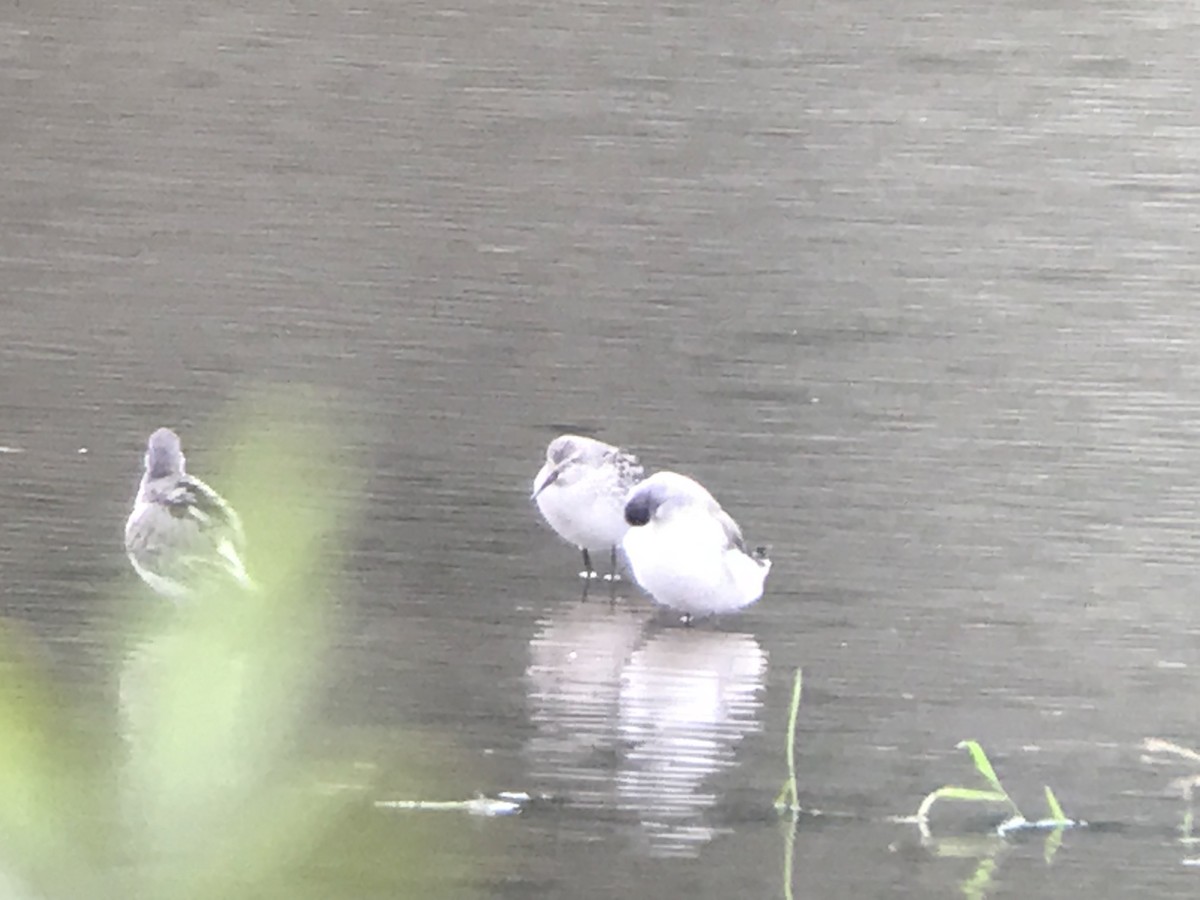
(685, 572)
(583, 518)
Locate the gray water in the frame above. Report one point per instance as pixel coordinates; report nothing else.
(908, 286)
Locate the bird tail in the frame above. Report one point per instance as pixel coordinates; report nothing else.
(235, 566)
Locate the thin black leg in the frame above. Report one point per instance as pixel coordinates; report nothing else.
(587, 575)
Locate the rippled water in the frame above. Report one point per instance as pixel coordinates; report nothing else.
(637, 720)
(909, 287)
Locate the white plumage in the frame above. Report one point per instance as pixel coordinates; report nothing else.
(581, 491)
(686, 551)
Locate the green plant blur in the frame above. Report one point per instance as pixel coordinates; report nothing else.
(217, 779)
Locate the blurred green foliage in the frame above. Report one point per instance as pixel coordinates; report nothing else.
(210, 788)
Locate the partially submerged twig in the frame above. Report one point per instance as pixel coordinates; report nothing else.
(506, 803)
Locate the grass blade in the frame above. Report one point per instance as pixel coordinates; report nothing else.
(982, 764)
(984, 767)
(1056, 811)
(976, 887)
(1053, 841)
(789, 788)
(953, 792)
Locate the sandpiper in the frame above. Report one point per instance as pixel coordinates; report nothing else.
(581, 492)
(181, 533)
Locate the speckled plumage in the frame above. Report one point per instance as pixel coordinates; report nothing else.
(581, 491)
(181, 533)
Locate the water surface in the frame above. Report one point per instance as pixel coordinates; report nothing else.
(908, 286)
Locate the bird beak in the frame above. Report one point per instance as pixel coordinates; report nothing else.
(550, 479)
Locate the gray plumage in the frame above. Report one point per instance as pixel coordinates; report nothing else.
(181, 533)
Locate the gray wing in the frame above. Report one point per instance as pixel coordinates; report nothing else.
(733, 534)
(187, 532)
(193, 502)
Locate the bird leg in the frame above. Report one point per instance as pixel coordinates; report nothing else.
(613, 574)
(588, 572)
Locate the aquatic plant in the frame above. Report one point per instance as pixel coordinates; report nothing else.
(995, 793)
(1158, 751)
(987, 849)
(788, 799)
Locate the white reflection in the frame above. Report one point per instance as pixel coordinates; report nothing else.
(637, 718)
(688, 697)
(573, 687)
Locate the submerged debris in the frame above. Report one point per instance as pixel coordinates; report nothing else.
(505, 803)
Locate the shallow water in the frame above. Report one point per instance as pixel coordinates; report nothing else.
(908, 287)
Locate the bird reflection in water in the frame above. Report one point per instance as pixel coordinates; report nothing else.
(636, 718)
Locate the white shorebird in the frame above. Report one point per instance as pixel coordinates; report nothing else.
(687, 551)
(581, 492)
(181, 532)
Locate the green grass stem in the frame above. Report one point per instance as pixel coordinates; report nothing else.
(789, 797)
